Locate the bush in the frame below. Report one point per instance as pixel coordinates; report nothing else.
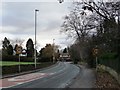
(7, 70)
(110, 60)
(75, 61)
(44, 59)
(9, 58)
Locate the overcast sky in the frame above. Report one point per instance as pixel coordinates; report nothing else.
(18, 21)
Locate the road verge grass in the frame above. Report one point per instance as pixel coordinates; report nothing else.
(11, 63)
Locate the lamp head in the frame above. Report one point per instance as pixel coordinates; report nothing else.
(36, 10)
(60, 1)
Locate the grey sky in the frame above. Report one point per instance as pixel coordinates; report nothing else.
(18, 21)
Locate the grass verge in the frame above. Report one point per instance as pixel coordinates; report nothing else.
(11, 63)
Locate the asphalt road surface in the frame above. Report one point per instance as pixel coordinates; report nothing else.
(58, 76)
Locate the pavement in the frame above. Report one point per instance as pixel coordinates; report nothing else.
(85, 79)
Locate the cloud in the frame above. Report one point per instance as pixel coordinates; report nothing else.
(18, 21)
(38, 0)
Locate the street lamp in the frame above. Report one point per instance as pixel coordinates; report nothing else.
(60, 1)
(35, 34)
(53, 52)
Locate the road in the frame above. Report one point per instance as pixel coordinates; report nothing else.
(58, 76)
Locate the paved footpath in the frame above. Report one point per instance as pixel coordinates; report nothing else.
(9, 82)
(85, 79)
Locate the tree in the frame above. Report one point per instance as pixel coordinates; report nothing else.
(7, 47)
(5, 43)
(110, 13)
(17, 41)
(10, 50)
(15, 48)
(74, 52)
(65, 50)
(108, 36)
(30, 48)
(102, 8)
(79, 24)
(46, 53)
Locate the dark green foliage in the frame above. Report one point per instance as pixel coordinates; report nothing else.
(110, 60)
(108, 56)
(30, 48)
(75, 61)
(46, 53)
(7, 70)
(5, 43)
(10, 50)
(112, 63)
(16, 58)
(65, 50)
(15, 48)
(7, 47)
(9, 58)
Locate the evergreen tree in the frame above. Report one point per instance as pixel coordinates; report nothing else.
(30, 48)
(65, 50)
(10, 50)
(7, 47)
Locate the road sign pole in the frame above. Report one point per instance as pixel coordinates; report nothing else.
(96, 62)
(19, 63)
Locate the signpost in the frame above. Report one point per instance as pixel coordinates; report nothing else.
(19, 51)
(95, 53)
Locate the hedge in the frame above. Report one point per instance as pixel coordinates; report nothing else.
(16, 58)
(6, 70)
(111, 60)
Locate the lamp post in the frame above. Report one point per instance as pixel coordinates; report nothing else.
(60, 1)
(53, 52)
(35, 34)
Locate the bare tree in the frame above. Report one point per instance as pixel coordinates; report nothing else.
(79, 23)
(17, 41)
(104, 9)
(109, 12)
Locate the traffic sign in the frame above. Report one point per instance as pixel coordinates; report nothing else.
(18, 49)
(95, 51)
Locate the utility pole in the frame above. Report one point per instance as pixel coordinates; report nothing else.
(53, 52)
(35, 35)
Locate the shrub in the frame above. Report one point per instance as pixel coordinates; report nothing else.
(16, 58)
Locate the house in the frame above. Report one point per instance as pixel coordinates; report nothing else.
(64, 57)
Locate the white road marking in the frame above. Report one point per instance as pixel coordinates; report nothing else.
(15, 79)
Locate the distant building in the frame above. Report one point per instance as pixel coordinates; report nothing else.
(23, 53)
(64, 57)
